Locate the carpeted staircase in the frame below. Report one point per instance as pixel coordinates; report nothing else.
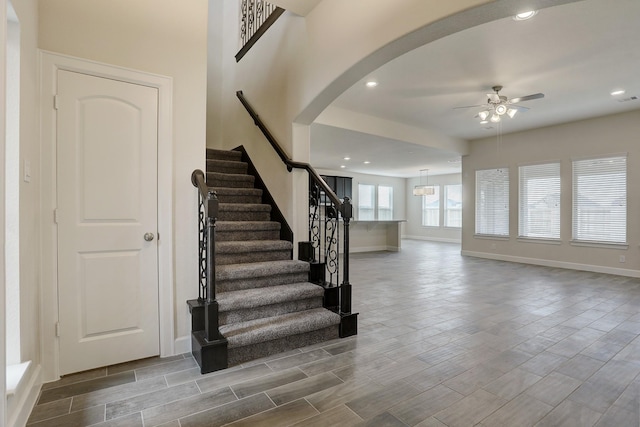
(265, 301)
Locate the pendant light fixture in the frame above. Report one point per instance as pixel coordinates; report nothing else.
(426, 189)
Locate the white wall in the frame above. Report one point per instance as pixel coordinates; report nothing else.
(29, 228)
(414, 228)
(162, 37)
(595, 137)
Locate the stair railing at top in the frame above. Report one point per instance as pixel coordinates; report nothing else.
(207, 216)
(256, 16)
(324, 251)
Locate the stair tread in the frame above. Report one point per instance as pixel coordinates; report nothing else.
(226, 162)
(260, 269)
(249, 298)
(252, 246)
(234, 207)
(234, 176)
(237, 190)
(277, 327)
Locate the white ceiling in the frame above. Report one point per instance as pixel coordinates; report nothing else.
(575, 54)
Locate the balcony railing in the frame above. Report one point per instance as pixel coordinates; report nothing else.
(256, 16)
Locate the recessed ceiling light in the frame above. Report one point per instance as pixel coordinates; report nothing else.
(372, 83)
(347, 158)
(617, 92)
(342, 166)
(523, 16)
(366, 162)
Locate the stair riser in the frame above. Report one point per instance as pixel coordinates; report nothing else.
(243, 258)
(260, 282)
(239, 355)
(233, 156)
(269, 310)
(229, 181)
(243, 216)
(240, 236)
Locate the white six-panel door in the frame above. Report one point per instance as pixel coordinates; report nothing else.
(107, 133)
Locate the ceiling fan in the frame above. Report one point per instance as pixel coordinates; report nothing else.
(499, 105)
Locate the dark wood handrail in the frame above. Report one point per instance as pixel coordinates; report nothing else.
(291, 164)
(198, 180)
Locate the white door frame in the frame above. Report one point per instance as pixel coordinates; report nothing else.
(3, 44)
(50, 63)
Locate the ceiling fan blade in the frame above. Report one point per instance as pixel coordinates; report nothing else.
(470, 106)
(527, 98)
(519, 107)
(493, 97)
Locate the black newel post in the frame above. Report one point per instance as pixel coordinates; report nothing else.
(208, 345)
(349, 321)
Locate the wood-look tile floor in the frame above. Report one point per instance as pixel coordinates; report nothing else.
(444, 340)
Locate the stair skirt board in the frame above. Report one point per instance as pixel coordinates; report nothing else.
(265, 301)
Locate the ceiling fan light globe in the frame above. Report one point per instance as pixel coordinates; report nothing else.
(495, 118)
(501, 109)
(511, 112)
(483, 114)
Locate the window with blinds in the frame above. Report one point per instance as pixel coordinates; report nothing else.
(366, 202)
(492, 202)
(539, 201)
(600, 200)
(431, 208)
(385, 202)
(453, 205)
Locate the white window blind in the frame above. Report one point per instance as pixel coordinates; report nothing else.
(600, 200)
(539, 199)
(453, 205)
(385, 202)
(366, 202)
(431, 208)
(492, 202)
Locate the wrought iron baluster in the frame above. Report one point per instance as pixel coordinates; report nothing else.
(202, 249)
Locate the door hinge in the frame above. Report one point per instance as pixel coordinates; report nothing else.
(57, 329)
(158, 234)
(55, 102)
(55, 216)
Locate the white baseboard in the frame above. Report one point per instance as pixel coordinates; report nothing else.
(182, 344)
(555, 264)
(374, 249)
(433, 239)
(25, 397)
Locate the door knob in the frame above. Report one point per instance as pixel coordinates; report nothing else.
(148, 237)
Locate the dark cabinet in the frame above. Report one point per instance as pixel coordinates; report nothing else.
(341, 185)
